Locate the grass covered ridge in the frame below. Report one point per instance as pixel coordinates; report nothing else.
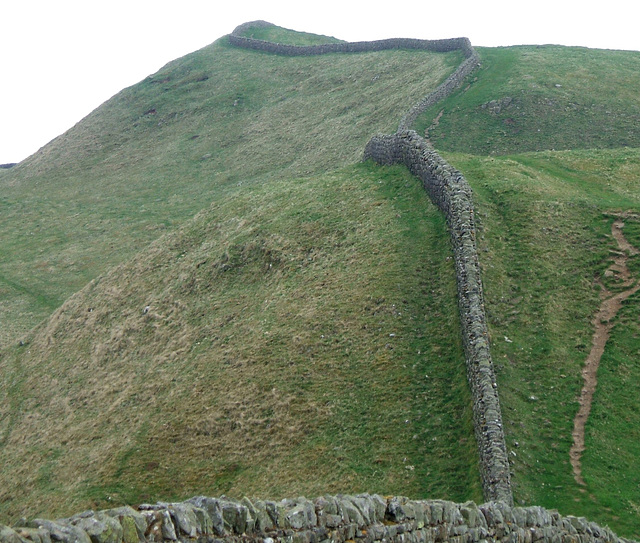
(273, 346)
(536, 98)
(278, 34)
(158, 152)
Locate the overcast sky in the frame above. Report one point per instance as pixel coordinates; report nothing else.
(60, 59)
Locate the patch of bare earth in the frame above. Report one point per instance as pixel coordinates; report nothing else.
(603, 323)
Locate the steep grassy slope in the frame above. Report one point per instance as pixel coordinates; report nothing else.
(273, 345)
(158, 152)
(545, 245)
(294, 338)
(535, 98)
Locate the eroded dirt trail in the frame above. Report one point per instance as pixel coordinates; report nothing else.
(602, 323)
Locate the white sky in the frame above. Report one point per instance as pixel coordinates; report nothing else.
(60, 59)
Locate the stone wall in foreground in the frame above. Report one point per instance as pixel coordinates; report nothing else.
(329, 519)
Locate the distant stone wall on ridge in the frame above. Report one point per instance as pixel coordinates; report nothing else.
(329, 519)
(438, 46)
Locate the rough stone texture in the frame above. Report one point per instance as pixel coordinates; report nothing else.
(328, 519)
(100, 527)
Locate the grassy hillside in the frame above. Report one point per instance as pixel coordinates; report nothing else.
(545, 245)
(160, 151)
(535, 98)
(282, 350)
(545, 218)
(273, 346)
(299, 335)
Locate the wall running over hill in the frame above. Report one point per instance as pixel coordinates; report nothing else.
(363, 518)
(450, 191)
(329, 519)
(452, 194)
(439, 46)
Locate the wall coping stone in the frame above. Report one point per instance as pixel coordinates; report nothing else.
(362, 518)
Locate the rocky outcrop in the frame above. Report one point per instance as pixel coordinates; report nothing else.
(329, 519)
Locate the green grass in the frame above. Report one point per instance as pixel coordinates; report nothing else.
(277, 34)
(160, 151)
(545, 238)
(612, 445)
(284, 352)
(535, 98)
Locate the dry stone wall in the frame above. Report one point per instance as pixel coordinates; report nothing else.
(449, 190)
(236, 38)
(452, 194)
(329, 519)
(470, 63)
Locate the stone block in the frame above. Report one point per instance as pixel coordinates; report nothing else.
(61, 532)
(184, 519)
(258, 510)
(301, 515)
(134, 524)
(472, 515)
(237, 519)
(101, 528)
(8, 535)
(33, 535)
(349, 512)
(213, 510)
(167, 528)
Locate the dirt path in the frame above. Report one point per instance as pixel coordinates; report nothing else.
(602, 324)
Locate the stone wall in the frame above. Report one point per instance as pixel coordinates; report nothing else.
(455, 80)
(329, 519)
(449, 190)
(452, 194)
(441, 46)
(471, 62)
